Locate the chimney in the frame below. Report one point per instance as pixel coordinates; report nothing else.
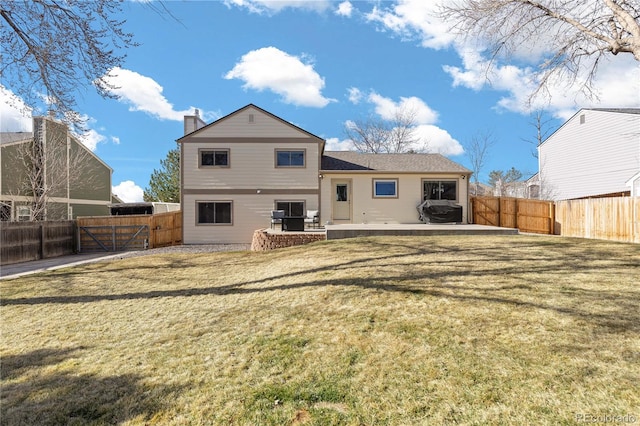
(193, 122)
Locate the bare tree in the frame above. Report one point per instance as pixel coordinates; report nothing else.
(49, 168)
(52, 48)
(477, 150)
(543, 130)
(578, 33)
(376, 135)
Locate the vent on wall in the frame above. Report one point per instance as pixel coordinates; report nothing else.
(250, 118)
(582, 119)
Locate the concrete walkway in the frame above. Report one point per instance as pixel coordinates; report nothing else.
(25, 268)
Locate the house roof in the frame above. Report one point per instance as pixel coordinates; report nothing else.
(357, 161)
(242, 109)
(618, 110)
(10, 137)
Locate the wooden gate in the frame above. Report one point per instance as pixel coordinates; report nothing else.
(526, 215)
(135, 232)
(112, 238)
(486, 210)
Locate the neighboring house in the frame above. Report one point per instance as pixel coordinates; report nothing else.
(595, 153)
(53, 166)
(238, 169)
(517, 189)
(634, 184)
(533, 187)
(480, 189)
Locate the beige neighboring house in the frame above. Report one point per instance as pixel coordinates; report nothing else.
(71, 179)
(238, 169)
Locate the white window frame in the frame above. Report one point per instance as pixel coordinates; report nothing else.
(386, 180)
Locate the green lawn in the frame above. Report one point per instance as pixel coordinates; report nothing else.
(375, 331)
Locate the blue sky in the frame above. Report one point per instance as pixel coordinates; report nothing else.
(319, 64)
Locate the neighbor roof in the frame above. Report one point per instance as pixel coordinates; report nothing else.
(617, 110)
(356, 161)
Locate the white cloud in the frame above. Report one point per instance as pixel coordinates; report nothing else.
(15, 116)
(387, 109)
(144, 94)
(272, 69)
(91, 138)
(438, 140)
(335, 144)
(275, 6)
(344, 9)
(616, 85)
(431, 137)
(115, 140)
(355, 95)
(128, 191)
(413, 19)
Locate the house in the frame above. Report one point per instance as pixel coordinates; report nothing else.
(48, 174)
(386, 188)
(239, 168)
(595, 153)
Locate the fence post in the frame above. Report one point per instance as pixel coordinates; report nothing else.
(42, 240)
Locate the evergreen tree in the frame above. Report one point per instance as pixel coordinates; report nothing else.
(164, 185)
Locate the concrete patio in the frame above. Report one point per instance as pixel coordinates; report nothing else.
(335, 232)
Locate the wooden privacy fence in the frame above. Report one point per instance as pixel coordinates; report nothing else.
(524, 214)
(616, 219)
(136, 232)
(25, 241)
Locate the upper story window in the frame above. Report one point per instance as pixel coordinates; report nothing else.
(439, 190)
(214, 158)
(290, 158)
(385, 188)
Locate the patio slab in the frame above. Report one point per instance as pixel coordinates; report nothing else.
(335, 232)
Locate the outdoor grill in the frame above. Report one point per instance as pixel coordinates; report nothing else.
(439, 211)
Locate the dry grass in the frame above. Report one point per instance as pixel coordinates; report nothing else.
(511, 330)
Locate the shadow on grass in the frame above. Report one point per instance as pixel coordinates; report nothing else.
(46, 397)
(621, 308)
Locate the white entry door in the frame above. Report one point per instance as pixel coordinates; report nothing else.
(341, 199)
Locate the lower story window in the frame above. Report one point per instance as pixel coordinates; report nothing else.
(5, 211)
(291, 208)
(440, 190)
(23, 213)
(385, 188)
(215, 212)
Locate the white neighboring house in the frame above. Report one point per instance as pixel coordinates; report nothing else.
(595, 153)
(634, 184)
(238, 169)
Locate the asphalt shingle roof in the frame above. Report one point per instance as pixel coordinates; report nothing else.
(8, 137)
(356, 161)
